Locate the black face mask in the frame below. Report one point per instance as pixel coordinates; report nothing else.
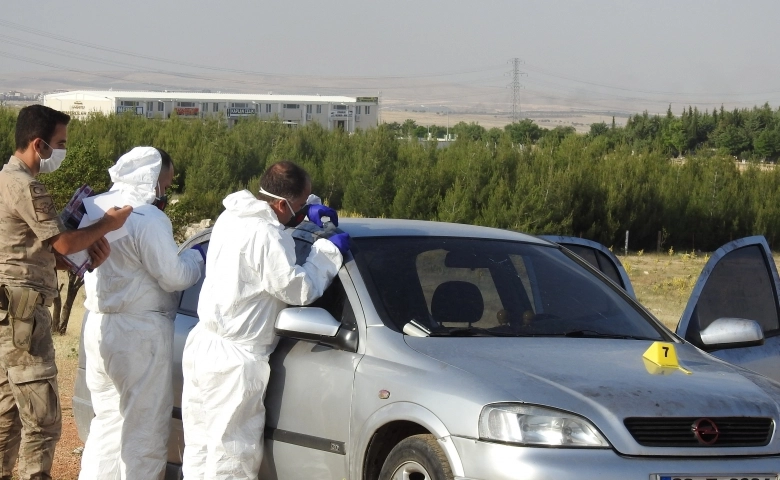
(162, 201)
(297, 217)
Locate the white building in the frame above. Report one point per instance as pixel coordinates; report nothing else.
(346, 113)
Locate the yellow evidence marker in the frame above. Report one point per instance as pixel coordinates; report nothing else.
(662, 354)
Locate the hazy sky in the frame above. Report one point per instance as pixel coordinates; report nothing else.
(578, 51)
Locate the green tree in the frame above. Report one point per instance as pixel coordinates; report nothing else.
(767, 143)
(7, 129)
(409, 128)
(600, 128)
(468, 131)
(524, 132)
(369, 190)
(731, 139)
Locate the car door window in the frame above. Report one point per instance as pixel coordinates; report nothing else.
(335, 301)
(598, 256)
(598, 260)
(740, 285)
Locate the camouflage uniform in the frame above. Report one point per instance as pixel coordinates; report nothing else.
(30, 419)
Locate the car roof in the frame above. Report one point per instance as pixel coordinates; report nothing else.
(386, 227)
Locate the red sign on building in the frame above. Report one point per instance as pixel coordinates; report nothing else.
(186, 111)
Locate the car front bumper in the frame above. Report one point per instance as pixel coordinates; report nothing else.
(493, 461)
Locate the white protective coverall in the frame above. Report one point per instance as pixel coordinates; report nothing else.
(128, 336)
(251, 276)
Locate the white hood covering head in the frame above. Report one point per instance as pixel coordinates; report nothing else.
(135, 175)
(244, 204)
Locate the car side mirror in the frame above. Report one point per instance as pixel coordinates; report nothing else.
(732, 333)
(315, 325)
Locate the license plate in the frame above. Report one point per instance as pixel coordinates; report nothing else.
(751, 476)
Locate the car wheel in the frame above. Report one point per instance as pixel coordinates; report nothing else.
(416, 458)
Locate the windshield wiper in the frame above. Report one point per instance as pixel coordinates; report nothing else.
(595, 334)
(470, 332)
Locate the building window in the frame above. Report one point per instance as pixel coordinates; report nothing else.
(308, 108)
(339, 107)
(128, 103)
(292, 106)
(149, 106)
(357, 109)
(319, 108)
(267, 108)
(368, 110)
(215, 107)
(185, 104)
(239, 105)
(160, 107)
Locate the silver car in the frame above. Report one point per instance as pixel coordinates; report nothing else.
(446, 351)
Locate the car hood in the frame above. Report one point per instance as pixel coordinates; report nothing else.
(607, 380)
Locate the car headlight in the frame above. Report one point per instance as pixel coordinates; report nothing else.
(530, 425)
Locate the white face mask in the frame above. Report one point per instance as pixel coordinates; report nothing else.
(52, 163)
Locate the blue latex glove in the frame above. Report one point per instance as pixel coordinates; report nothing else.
(317, 211)
(200, 250)
(341, 241)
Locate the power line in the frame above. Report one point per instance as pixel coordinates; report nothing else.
(542, 71)
(168, 61)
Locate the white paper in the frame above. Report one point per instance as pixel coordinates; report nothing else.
(98, 205)
(79, 258)
(110, 236)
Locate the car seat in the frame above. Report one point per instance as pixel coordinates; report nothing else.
(457, 302)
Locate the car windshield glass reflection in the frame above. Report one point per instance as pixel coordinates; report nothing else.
(480, 287)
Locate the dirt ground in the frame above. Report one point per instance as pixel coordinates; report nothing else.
(662, 282)
(67, 459)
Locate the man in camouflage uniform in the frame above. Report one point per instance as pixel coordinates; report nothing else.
(31, 239)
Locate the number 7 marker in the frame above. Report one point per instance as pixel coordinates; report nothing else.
(664, 355)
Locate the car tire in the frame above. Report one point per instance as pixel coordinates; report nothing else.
(418, 457)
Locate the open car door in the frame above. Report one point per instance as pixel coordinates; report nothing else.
(737, 291)
(597, 255)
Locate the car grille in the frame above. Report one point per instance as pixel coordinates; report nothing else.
(679, 431)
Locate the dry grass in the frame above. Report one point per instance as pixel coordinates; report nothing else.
(664, 281)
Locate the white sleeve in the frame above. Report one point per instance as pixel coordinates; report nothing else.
(291, 283)
(159, 255)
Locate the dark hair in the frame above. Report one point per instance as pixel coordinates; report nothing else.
(285, 179)
(37, 121)
(167, 161)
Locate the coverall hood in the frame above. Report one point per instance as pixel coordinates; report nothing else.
(245, 204)
(135, 175)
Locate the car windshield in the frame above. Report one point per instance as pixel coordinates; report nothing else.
(483, 287)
